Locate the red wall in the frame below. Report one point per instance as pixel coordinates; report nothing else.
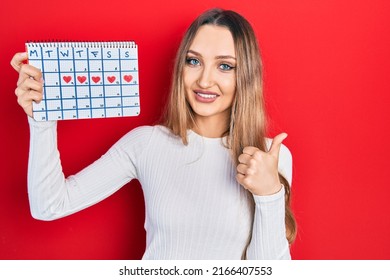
(327, 84)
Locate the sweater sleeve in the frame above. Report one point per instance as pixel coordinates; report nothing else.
(53, 196)
(269, 231)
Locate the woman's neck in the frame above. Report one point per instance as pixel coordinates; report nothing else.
(210, 127)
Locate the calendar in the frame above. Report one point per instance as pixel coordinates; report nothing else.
(84, 80)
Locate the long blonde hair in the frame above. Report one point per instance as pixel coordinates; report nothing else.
(248, 117)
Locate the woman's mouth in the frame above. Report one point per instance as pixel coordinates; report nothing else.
(205, 96)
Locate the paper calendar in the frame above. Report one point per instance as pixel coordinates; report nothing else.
(85, 80)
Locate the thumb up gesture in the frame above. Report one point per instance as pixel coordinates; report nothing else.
(258, 171)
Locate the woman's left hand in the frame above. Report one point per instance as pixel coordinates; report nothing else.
(258, 170)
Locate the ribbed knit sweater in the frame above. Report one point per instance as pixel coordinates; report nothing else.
(195, 209)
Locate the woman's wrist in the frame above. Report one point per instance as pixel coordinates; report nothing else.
(271, 191)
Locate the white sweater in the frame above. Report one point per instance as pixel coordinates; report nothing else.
(195, 209)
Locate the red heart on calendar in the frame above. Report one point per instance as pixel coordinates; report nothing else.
(111, 79)
(95, 79)
(67, 79)
(128, 78)
(81, 79)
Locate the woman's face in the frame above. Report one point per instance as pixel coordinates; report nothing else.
(209, 74)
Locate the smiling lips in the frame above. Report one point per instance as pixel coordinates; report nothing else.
(205, 96)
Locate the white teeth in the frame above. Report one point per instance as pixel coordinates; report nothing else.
(209, 96)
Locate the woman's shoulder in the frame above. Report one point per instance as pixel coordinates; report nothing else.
(136, 140)
(146, 132)
(139, 139)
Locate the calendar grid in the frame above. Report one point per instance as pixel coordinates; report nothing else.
(120, 74)
(89, 83)
(44, 94)
(59, 78)
(86, 80)
(104, 88)
(75, 86)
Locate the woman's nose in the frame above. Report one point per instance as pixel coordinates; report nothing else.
(206, 79)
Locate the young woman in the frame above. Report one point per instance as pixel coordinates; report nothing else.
(215, 187)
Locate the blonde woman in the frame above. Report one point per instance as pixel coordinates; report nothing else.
(215, 187)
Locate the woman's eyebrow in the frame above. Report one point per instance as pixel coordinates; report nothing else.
(217, 57)
(194, 52)
(225, 57)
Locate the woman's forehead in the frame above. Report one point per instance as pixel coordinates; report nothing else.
(212, 40)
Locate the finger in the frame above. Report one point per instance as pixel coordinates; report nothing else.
(29, 84)
(244, 181)
(250, 150)
(276, 143)
(25, 101)
(27, 71)
(244, 158)
(29, 97)
(240, 179)
(242, 169)
(35, 96)
(26, 95)
(17, 60)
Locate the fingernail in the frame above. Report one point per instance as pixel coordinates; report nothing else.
(24, 54)
(42, 80)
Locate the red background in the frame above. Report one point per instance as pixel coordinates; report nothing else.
(327, 83)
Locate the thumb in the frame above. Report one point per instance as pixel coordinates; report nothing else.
(17, 60)
(276, 143)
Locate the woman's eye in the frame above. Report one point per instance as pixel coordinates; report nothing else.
(225, 67)
(192, 61)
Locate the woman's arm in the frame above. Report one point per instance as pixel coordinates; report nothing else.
(52, 196)
(269, 230)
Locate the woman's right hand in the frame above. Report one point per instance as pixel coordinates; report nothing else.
(30, 83)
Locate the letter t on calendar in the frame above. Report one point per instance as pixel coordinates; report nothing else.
(86, 80)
